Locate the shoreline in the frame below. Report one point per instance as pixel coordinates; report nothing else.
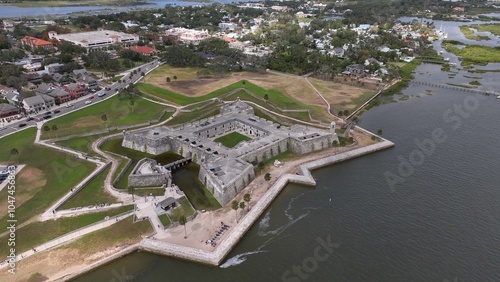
(215, 257)
(83, 3)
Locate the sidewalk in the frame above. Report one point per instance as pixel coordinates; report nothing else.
(69, 237)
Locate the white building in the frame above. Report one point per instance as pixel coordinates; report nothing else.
(188, 36)
(96, 39)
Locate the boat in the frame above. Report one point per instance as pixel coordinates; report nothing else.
(498, 97)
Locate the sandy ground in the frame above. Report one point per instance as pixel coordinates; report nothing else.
(28, 179)
(63, 261)
(296, 88)
(56, 263)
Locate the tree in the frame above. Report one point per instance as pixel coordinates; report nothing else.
(54, 128)
(379, 132)
(346, 112)
(46, 128)
(183, 221)
(247, 199)
(242, 205)
(235, 206)
(104, 117)
(168, 79)
(266, 97)
(267, 176)
(175, 77)
(340, 113)
(14, 152)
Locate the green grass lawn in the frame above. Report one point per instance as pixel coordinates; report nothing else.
(164, 220)
(38, 232)
(184, 117)
(56, 172)
(93, 193)
(232, 139)
(493, 28)
(275, 97)
(119, 112)
(187, 180)
(185, 209)
(474, 54)
(115, 146)
(121, 233)
(153, 191)
(469, 33)
(83, 144)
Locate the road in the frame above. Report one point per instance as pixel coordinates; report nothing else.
(76, 104)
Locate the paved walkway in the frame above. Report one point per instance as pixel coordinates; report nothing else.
(328, 105)
(69, 237)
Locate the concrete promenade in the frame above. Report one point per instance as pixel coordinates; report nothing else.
(216, 257)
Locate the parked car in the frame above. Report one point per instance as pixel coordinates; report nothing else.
(69, 105)
(22, 125)
(91, 97)
(48, 112)
(30, 119)
(47, 117)
(57, 111)
(88, 102)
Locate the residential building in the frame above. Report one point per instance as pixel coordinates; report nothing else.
(35, 104)
(10, 94)
(60, 96)
(61, 79)
(29, 87)
(144, 50)
(76, 90)
(355, 69)
(8, 25)
(9, 113)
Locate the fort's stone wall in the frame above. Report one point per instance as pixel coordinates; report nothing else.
(311, 144)
(225, 192)
(267, 152)
(136, 179)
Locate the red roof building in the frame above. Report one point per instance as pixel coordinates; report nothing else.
(34, 42)
(145, 50)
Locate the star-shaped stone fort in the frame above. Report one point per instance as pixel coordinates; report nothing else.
(224, 171)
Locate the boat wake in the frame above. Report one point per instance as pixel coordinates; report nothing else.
(263, 225)
(238, 259)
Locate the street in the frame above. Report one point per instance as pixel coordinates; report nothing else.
(77, 104)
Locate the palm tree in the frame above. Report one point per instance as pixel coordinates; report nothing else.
(335, 144)
(242, 206)
(247, 199)
(234, 206)
(182, 221)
